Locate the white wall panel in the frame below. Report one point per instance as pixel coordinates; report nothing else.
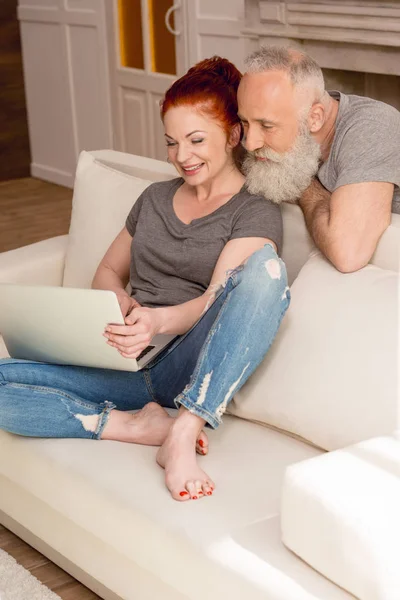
(64, 47)
(215, 28)
(230, 9)
(160, 149)
(227, 47)
(52, 4)
(48, 98)
(81, 5)
(88, 89)
(135, 133)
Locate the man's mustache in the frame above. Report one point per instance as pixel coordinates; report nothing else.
(266, 153)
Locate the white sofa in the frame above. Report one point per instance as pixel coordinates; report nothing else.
(288, 520)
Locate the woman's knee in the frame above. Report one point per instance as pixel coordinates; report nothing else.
(264, 275)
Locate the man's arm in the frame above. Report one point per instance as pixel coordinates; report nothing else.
(347, 225)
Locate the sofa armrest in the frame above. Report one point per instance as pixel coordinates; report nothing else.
(340, 514)
(41, 263)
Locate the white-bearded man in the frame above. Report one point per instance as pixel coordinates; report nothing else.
(299, 136)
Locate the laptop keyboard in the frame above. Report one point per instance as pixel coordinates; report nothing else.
(144, 352)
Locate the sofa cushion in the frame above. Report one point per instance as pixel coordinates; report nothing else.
(340, 514)
(331, 375)
(103, 197)
(115, 493)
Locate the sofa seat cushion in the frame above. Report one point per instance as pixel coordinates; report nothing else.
(331, 375)
(115, 492)
(340, 514)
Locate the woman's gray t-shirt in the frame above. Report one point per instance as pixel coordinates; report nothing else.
(173, 262)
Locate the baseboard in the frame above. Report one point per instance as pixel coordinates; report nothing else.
(52, 175)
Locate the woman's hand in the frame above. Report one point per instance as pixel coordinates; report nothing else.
(126, 303)
(141, 325)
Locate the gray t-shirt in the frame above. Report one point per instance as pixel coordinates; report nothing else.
(173, 262)
(365, 146)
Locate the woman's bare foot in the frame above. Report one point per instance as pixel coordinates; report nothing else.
(184, 479)
(149, 426)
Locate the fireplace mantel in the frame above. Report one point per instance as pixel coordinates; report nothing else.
(344, 34)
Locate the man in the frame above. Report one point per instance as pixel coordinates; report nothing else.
(294, 129)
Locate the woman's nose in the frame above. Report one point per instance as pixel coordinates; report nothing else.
(183, 153)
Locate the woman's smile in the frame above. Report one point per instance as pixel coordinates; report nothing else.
(193, 169)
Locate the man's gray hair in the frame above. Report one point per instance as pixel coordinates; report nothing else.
(302, 70)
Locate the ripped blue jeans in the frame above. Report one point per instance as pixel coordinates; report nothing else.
(201, 370)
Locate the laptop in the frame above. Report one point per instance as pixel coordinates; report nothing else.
(65, 326)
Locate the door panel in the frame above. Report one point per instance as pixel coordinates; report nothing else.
(160, 149)
(160, 54)
(135, 138)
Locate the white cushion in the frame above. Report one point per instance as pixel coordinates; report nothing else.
(331, 375)
(120, 506)
(340, 514)
(298, 245)
(103, 197)
(297, 242)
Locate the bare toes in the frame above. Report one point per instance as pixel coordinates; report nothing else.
(183, 496)
(191, 488)
(202, 444)
(207, 490)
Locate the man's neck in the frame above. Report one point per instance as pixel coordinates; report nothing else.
(326, 134)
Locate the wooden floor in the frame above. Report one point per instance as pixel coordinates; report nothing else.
(32, 210)
(48, 573)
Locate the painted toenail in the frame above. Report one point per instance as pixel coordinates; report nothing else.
(194, 498)
(183, 493)
(201, 443)
(209, 493)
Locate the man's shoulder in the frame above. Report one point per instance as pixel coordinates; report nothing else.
(359, 110)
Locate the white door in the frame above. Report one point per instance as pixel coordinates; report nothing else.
(147, 52)
(215, 27)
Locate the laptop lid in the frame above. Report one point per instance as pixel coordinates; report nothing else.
(65, 326)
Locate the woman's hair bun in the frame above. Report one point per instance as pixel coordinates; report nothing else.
(218, 68)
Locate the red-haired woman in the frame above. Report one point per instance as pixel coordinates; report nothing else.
(202, 257)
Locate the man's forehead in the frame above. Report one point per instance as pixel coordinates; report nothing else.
(272, 91)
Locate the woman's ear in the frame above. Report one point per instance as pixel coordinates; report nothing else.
(235, 135)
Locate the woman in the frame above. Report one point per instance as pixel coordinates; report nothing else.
(201, 252)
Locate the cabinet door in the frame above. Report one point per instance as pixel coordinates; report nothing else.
(66, 83)
(146, 56)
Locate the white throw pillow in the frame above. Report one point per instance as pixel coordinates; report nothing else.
(103, 197)
(332, 373)
(340, 514)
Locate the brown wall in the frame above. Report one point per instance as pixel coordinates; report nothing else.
(14, 141)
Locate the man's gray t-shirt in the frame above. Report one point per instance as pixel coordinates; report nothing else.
(173, 262)
(365, 146)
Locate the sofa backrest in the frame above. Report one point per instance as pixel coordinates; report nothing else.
(331, 376)
(107, 185)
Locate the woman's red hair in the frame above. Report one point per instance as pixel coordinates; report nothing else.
(211, 85)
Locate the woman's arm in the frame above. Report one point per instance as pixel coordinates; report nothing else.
(113, 271)
(179, 319)
(144, 323)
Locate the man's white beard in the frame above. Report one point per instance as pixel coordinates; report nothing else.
(284, 177)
